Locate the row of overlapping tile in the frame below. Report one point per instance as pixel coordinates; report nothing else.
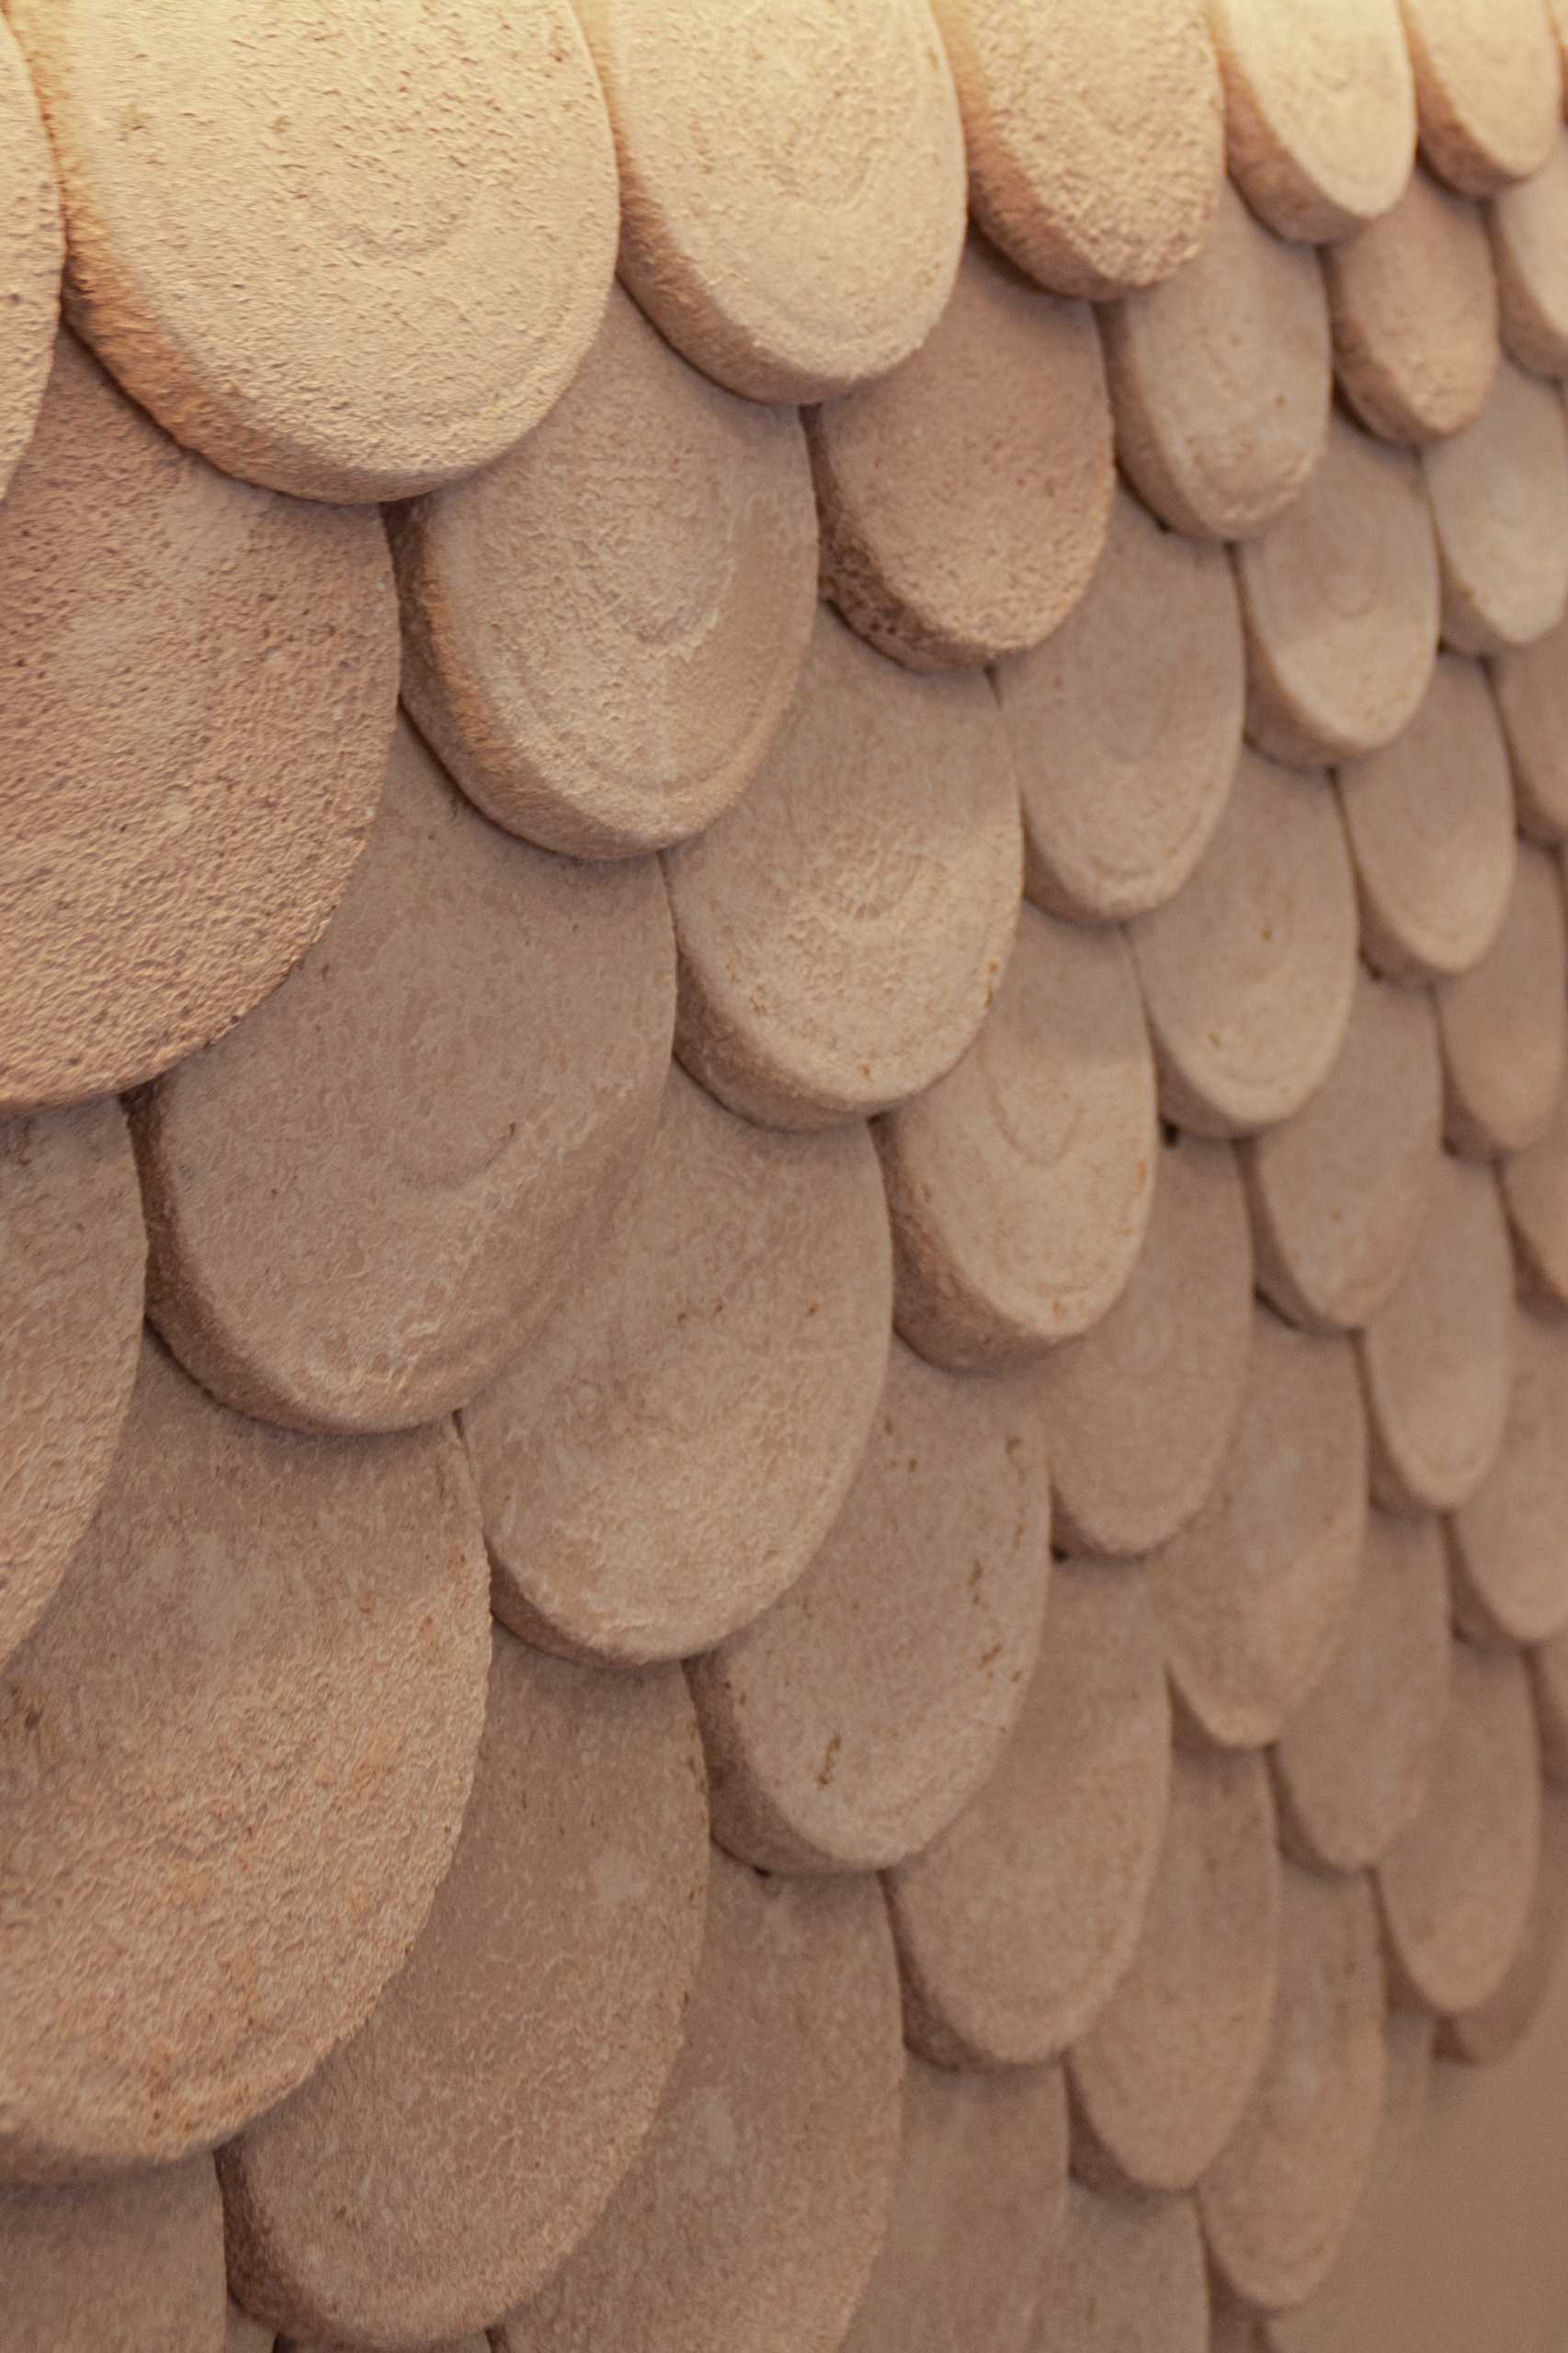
(1159, 1826)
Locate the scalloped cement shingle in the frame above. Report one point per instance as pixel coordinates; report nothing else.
(849, 1723)
(1320, 111)
(1488, 88)
(792, 199)
(1413, 304)
(233, 1759)
(194, 642)
(331, 261)
(505, 2079)
(720, 1367)
(1095, 138)
(842, 932)
(602, 670)
(362, 1203)
(71, 1279)
(32, 250)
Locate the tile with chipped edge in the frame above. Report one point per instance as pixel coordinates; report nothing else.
(227, 1802)
(841, 932)
(1528, 224)
(1020, 1185)
(1430, 824)
(1413, 304)
(755, 2211)
(32, 251)
(1484, 2037)
(1337, 1191)
(1017, 1923)
(362, 1203)
(1436, 1359)
(718, 1365)
(194, 642)
(71, 1284)
(977, 2215)
(1351, 1766)
(1499, 496)
(441, 2162)
(1535, 1194)
(1503, 1023)
(1248, 972)
(1278, 2201)
(1128, 2278)
(1162, 2078)
(1320, 111)
(1095, 141)
(853, 1720)
(1140, 1410)
(792, 202)
(1488, 88)
(135, 2264)
(1254, 1592)
(1126, 723)
(601, 671)
(1530, 688)
(1339, 602)
(1319, 2325)
(1508, 1543)
(1455, 1888)
(1219, 379)
(342, 275)
(964, 500)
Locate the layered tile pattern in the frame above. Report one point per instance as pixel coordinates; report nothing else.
(783, 1162)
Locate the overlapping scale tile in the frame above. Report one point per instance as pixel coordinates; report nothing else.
(135, 2263)
(1414, 309)
(1320, 111)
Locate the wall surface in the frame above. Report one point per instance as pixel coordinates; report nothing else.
(783, 1177)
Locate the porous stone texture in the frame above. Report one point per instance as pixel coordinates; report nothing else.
(793, 200)
(1020, 1185)
(1414, 308)
(1436, 1359)
(1488, 88)
(1430, 824)
(71, 1281)
(1125, 724)
(1504, 1024)
(842, 932)
(1339, 600)
(1129, 2276)
(976, 2216)
(32, 251)
(505, 2080)
(1530, 235)
(1505, 1541)
(1494, 2030)
(850, 1723)
(227, 1799)
(1320, 111)
(342, 272)
(1277, 2201)
(1219, 381)
(1161, 2080)
(134, 2264)
(1253, 1591)
(1248, 974)
(1018, 1922)
(602, 672)
(1530, 685)
(756, 2209)
(720, 1367)
(1499, 498)
(194, 642)
(1139, 1411)
(1455, 1888)
(1352, 1764)
(1535, 1193)
(965, 499)
(362, 1203)
(1337, 1191)
(1090, 197)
